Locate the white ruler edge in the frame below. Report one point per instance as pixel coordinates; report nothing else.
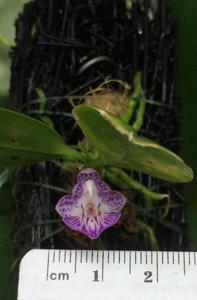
(107, 275)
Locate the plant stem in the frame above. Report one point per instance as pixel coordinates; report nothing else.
(139, 115)
(124, 178)
(130, 111)
(149, 231)
(72, 154)
(113, 178)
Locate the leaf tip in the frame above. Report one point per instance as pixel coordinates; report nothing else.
(188, 174)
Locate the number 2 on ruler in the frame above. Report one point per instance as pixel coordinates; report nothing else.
(148, 275)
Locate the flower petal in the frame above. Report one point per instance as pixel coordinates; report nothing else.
(114, 202)
(73, 222)
(64, 205)
(110, 219)
(103, 189)
(77, 191)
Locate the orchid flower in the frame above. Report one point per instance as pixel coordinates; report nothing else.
(92, 206)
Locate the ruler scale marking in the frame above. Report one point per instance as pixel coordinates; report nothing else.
(103, 265)
(48, 261)
(53, 255)
(129, 262)
(59, 256)
(157, 267)
(119, 257)
(173, 258)
(184, 267)
(108, 256)
(97, 256)
(75, 267)
(178, 258)
(81, 256)
(151, 257)
(70, 256)
(140, 257)
(168, 258)
(189, 259)
(135, 257)
(92, 256)
(146, 258)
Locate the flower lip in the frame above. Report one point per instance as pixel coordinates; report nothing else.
(92, 206)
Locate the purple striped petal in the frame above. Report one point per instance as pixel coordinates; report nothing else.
(73, 222)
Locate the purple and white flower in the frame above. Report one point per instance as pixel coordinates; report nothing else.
(92, 206)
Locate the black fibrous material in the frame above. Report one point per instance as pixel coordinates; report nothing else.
(67, 47)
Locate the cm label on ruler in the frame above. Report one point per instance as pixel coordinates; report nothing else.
(107, 275)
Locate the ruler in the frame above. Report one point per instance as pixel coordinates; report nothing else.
(107, 275)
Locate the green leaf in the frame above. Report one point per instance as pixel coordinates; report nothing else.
(24, 140)
(119, 146)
